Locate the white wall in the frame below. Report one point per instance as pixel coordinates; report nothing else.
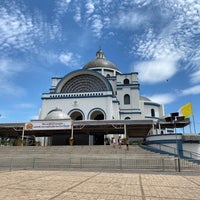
(190, 147)
(84, 104)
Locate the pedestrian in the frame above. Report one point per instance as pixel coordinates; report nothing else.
(127, 143)
(113, 142)
(119, 141)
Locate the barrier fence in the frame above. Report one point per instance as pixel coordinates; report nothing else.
(150, 164)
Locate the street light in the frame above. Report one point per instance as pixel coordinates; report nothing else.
(175, 117)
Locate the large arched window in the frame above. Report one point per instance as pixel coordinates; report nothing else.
(152, 112)
(97, 114)
(126, 81)
(76, 115)
(126, 99)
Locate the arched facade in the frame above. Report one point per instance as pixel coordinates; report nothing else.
(97, 114)
(83, 81)
(99, 91)
(76, 114)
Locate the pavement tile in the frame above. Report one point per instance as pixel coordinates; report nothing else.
(19, 194)
(85, 185)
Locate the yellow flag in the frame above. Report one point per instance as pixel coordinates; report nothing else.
(186, 110)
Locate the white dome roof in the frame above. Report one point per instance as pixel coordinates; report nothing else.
(57, 114)
(100, 61)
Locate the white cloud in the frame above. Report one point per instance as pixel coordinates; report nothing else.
(16, 29)
(62, 7)
(9, 88)
(8, 70)
(156, 71)
(162, 98)
(195, 76)
(97, 25)
(195, 68)
(24, 31)
(66, 58)
(129, 20)
(89, 7)
(77, 16)
(70, 59)
(176, 34)
(191, 91)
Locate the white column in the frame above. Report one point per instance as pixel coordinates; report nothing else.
(72, 129)
(125, 133)
(23, 135)
(91, 139)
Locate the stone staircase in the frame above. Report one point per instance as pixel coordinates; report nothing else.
(107, 151)
(88, 157)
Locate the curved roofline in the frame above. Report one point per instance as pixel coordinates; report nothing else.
(105, 68)
(55, 109)
(110, 64)
(100, 61)
(56, 113)
(143, 98)
(67, 77)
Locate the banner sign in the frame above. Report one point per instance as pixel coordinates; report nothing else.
(48, 125)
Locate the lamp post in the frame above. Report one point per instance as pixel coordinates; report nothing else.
(174, 117)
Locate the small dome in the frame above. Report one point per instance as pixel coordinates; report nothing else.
(57, 114)
(100, 61)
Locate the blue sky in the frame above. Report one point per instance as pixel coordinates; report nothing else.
(40, 39)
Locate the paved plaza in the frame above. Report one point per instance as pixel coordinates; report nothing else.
(96, 185)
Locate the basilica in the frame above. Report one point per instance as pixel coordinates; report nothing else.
(100, 101)
(90, 106)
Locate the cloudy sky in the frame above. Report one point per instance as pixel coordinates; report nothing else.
(40, 39)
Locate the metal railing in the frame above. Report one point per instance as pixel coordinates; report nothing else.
(174, 151)
(150, 164)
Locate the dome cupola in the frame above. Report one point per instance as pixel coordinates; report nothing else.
(100, 62)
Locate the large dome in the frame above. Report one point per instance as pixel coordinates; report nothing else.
(100, 61)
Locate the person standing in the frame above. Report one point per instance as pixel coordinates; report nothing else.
(119, 141)
(113, 142)
(127, 143)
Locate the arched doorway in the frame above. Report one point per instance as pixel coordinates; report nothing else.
(76, 115)
(97, 114)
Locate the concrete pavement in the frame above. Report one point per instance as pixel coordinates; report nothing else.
(95, 185)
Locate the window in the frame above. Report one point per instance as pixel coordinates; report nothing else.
(126, 81)
(152, 112)
(108, 75)
(126, 118)
(126, 99)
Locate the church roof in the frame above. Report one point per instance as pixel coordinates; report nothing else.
(100, 61)
(144, 98)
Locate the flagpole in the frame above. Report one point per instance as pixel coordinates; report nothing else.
(190, 128)
(194, 124)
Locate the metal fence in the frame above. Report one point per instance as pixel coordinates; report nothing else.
(150, 164)
(174, 151)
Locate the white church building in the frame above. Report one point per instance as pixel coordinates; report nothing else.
(99, 95)
(90, 105)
